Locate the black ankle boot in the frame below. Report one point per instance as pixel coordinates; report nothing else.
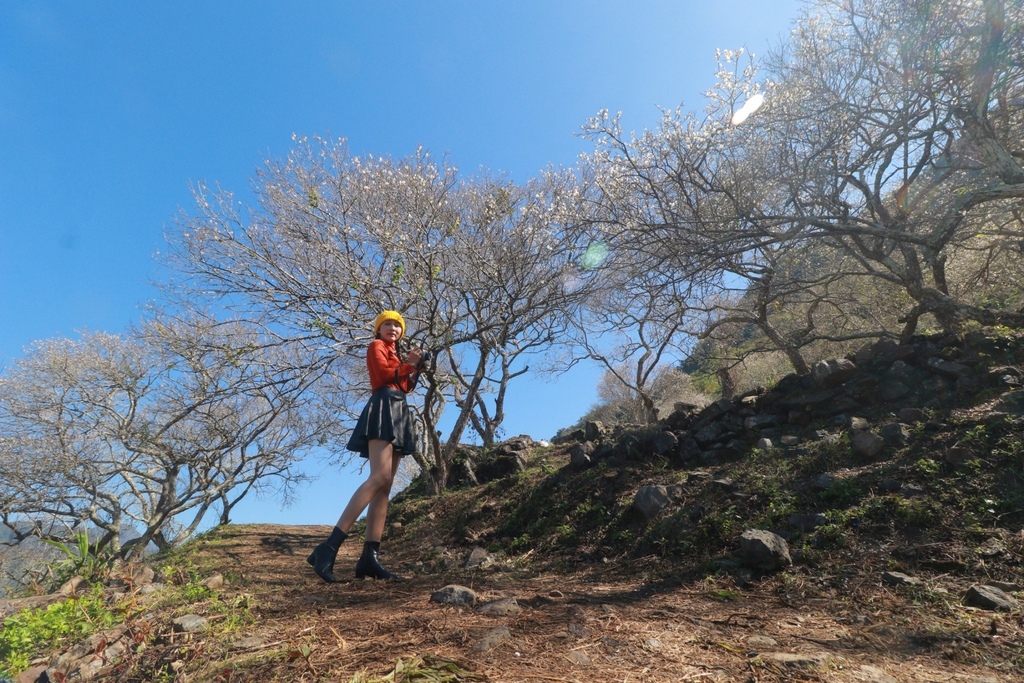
(322, 557)
(368, 565)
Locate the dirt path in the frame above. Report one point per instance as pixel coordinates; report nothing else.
(585, 627)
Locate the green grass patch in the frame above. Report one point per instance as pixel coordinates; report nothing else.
(30, 632)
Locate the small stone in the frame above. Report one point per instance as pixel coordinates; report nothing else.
(478, 557)
(789, 440)
(890, 485)
(454, 594)
(1006, 586)
(763, 444)
(215, 582)
(859, 424)
(492, 639)
(799, 661)
(190, 623)
(761, 643)
(899, 579)
(652, 644)
(248, 643)
(140, 576)
(30, 675)
(895, 434)
(73, 585)
(578, 657)
(500, 608)
(989, 597)
(649, 501)
(764, 550)
(867, 444)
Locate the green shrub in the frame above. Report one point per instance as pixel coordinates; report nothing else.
(31, 631)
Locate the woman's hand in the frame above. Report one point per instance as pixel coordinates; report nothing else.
(414, 356)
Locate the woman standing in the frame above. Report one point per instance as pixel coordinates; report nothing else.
(383, 434)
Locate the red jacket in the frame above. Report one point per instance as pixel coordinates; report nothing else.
(387, 369)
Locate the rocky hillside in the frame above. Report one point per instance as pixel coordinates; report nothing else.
(862, 523)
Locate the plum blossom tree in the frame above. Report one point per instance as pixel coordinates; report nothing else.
(884, 159)
(479, 268)
(152, 432)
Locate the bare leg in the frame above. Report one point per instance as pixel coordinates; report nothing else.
(378, 508)
(373, 492)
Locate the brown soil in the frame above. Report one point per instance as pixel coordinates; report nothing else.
(597, 624)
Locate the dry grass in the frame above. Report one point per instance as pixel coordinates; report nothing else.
(597, 624)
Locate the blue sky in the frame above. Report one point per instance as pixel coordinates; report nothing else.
(109, 111)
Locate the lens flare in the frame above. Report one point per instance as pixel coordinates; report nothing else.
(749, 107)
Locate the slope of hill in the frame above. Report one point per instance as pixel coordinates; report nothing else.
(894, 481)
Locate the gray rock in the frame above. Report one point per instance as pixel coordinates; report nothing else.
(892, 389)
(709, 434)
(899, 371)
(248, 643)
(825, 481)
(763, 444)
(665, 442)
(649, 501)
(799, 660)
(715, 410)
(580, 454)
(190, 623)
(215, 582)
(989, 597)
(895, 434)
(789, 440)
(764, 550)
(831, 373)
(30, 675)
(899, 579)
(761, 642)
(578, 657)
(890, 485)
(867, 444)
(478, 557)
(947, 368)
(758, 422)
(593, 430)
(454, 594)
(1006, 586)
(859, 424)
(500, 608)
(956, 456)
(492, 639)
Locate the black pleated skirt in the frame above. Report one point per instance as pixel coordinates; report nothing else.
(386, 416)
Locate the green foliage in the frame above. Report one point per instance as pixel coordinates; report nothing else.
(32, 631)
(81, 559)
(842, 493)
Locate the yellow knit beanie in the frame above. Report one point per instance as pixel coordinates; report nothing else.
(388, 315)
